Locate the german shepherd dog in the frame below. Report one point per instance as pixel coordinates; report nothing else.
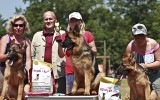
(14, 74)
(83, 63)
(137, 79)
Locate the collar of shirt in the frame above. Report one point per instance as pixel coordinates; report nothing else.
(45, 33)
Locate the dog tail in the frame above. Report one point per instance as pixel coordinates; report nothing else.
(96, 82)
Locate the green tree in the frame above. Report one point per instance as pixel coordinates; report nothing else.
(109, 20)
(62, 9)
(2, 26)
(126, 13)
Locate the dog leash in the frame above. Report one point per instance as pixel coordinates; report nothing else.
(120, 78)
(134, 86)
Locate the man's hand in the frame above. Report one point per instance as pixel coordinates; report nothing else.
(143, 65)
(58, 38)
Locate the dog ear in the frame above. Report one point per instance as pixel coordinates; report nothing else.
(133, 57)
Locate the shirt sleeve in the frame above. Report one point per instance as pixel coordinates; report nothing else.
(156, 47)
(63, 36)
(88, 37)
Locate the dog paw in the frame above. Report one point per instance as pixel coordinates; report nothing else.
(80, 91)
(14, 99)
(73, 92)
(94, 92)
(87, 93)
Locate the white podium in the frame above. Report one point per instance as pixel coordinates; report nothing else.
(92, 97)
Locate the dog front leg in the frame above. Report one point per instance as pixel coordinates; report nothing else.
(154, 95)
(5, 82)
(5, 87)
(20, 89)
(75, 84)
(133, 95)
(147, 92)
(88, 78)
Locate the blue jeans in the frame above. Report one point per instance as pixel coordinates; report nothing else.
(69, 83)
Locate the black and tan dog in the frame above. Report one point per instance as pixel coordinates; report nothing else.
(137, 79)
(14, 74)
(83, 62)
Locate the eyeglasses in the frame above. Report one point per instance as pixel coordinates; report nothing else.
(20, 25)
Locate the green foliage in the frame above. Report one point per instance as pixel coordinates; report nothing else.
(109, 20)
(2, 26)
(126, 14)
(62, 9)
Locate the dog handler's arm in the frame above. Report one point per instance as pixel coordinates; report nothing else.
(3, 44)
(28, 57)
(93, 46)
(61, 51)
(128, 50)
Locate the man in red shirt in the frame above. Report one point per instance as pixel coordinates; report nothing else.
(45, 48)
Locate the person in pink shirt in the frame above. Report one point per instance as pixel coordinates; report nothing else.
(147, 54)
(75, 18)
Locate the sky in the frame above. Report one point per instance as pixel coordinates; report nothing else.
(7, 7)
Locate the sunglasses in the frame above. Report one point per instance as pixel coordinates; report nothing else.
(16, 25)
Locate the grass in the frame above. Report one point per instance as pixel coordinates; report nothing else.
(124, 89)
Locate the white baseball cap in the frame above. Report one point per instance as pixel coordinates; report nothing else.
(139, 29)
(76, 15)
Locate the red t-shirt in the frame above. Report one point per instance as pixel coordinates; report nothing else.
(48, 46)
(88, 37)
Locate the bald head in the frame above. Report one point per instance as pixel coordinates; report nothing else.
(49, 13)
(49, 19)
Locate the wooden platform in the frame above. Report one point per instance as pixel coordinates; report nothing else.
(95, 97)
